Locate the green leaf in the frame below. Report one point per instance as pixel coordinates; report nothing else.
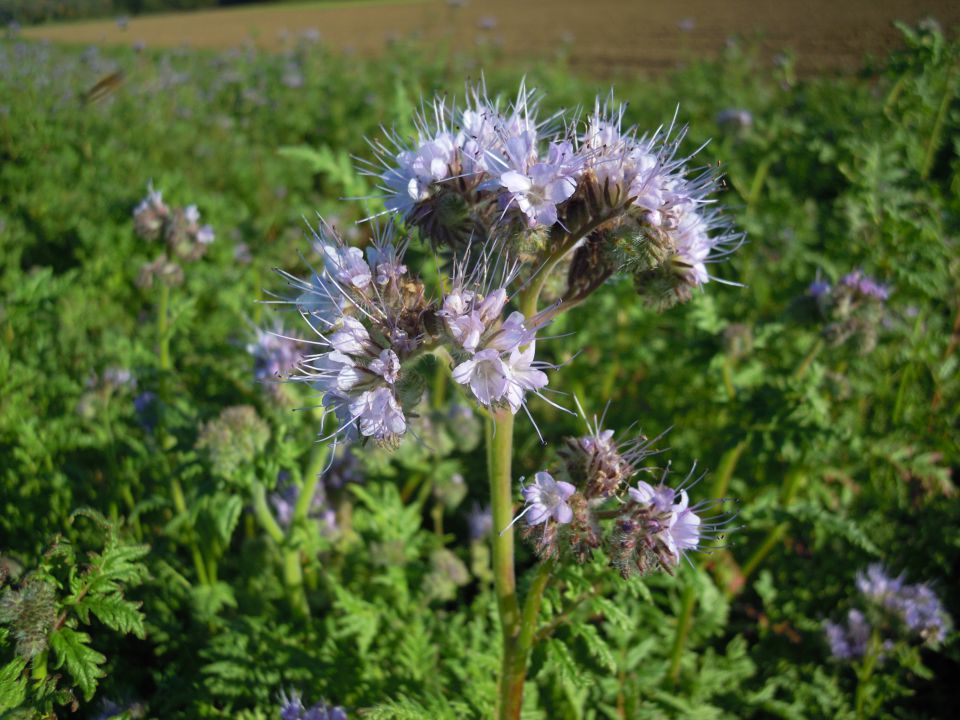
(115, 612)
(227, 517)
(13, 684)
(83, 662)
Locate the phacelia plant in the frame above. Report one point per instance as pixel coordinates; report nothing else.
(527, 217)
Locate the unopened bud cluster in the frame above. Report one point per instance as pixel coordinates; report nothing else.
(591, 505)
(184, 238)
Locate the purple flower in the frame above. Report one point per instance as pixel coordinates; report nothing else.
(486, 374)
(917, 606)
(546, 499)
(680, 530)
(865, 285)
(818, 288)
(275, 354)
(378, 414)
(849, 642)
(479, 521)
(538, 187)
(292, 708)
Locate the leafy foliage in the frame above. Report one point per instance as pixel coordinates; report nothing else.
(376, 596)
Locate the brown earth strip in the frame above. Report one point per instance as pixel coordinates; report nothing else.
(649, 35)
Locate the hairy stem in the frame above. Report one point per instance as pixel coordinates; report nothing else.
(516, 673)
(318, 457)
(499, 437)
(292, 568)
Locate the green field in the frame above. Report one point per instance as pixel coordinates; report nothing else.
(175, 541)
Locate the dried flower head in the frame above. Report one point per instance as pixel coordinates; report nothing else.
(30, 611)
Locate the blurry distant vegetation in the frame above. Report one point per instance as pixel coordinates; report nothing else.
(29, 12)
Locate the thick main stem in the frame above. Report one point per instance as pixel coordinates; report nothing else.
(499, 456)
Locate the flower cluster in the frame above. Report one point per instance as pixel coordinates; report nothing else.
(180, 230)
(895, 609)
(628, 202)
(652, 526)
(292, 708)
(369, 316)
(853, 308)
(496, 354)
(373, 323)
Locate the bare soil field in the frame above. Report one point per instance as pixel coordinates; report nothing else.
(645, 35)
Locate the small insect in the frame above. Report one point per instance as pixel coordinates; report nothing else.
(104, 87)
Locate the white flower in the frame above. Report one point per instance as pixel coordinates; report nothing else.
(512, 334)
(538, 190)
(416, 170)
(486, 375)
(547, 499)
(387, 366)
(521, 376)
(346, 266)
(684, 532)
(681, 530)
(378, 414)
(352, 338)
(693, 245)
(205, 235)
(661, 498)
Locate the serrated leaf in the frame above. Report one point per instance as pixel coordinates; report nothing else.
(227, 517)
(596, 645)
(209, 600)
(13, 684)
(613, 613)
(115, 612)
(73, 650)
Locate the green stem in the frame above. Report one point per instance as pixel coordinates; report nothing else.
(517, 672)
(318, 456)
(684, 621)
(263, 514)
(759, 177)
(787, 494)
(808, 360)
(865, 673)
(163, 327)
(728, 378)
(180, 504)
(499, 437)
(718, 491)
(531, 295)
(905, 375)
(724, 473)
(292, 567)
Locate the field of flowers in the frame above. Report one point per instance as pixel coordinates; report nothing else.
(336, 387)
